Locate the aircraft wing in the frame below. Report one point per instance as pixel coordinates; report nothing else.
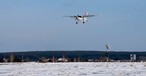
(88, 15)
(71, 16)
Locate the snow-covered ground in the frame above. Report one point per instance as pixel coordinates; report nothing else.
(73, 69)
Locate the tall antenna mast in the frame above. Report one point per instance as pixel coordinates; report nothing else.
(107, 54)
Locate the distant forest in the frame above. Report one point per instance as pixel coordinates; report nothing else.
(35, 55)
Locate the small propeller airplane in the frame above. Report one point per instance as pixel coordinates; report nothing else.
(82, 18)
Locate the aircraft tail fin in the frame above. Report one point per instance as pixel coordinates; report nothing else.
(86, 14)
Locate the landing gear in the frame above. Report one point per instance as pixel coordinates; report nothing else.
(76, 22)
(83, 22)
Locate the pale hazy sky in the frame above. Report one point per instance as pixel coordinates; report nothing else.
(40, 25)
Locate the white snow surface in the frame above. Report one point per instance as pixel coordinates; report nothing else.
(74, 69)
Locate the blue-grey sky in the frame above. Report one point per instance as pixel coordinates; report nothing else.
(29, 25)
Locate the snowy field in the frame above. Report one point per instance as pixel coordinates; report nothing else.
(73, 69)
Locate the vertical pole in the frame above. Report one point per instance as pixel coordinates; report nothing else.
(107, 57)
(107, 54)
(11, 57)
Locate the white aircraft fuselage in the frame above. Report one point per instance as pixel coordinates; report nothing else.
(82, 18)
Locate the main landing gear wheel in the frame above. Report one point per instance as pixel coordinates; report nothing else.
(76, 22)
